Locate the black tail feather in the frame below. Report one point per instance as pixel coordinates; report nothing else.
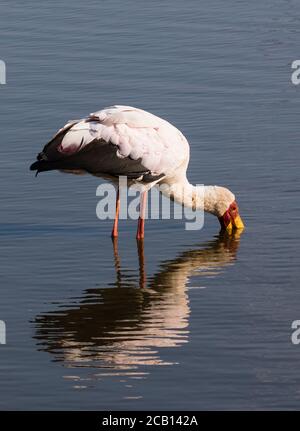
(43, 166)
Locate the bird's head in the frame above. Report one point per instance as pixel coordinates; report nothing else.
(228, 211)
(221, 202)
(231, 218)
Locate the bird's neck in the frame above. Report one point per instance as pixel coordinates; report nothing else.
(197, 197)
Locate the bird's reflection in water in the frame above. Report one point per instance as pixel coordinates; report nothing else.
(121, 329)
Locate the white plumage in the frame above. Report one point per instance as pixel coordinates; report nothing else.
(127, 141)
(160, 146)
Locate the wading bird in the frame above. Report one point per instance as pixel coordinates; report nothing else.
(126, 141)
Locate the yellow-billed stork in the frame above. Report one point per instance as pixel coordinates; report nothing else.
(126, 141)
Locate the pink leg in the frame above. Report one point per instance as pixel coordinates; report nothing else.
(141, 223)
(114, 232)
(142, 271)
(117, 261)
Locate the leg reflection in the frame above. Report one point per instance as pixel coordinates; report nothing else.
(123, 328)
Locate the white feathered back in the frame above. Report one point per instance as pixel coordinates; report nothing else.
(138, 134)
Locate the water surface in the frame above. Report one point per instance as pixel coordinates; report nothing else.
(191, 321)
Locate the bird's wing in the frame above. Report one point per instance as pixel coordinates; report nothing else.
(130, 133)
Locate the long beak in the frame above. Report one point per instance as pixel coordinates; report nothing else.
(231, 221)
(238, 222)
(225, 222)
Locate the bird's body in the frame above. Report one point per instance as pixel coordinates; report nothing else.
(119, 140)
(126, 141)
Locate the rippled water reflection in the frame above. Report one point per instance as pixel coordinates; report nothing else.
(123, 326)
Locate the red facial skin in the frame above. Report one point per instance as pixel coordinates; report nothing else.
(230, 214)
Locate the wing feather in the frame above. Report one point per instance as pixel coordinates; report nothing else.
(133, 135)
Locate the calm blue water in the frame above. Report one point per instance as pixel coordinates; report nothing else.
(210, 327)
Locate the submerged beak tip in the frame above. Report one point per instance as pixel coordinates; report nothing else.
(229, 229)
(231, 222)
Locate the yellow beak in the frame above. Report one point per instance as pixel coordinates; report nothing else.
(238, 223)
(231, 219)
(229, 228)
